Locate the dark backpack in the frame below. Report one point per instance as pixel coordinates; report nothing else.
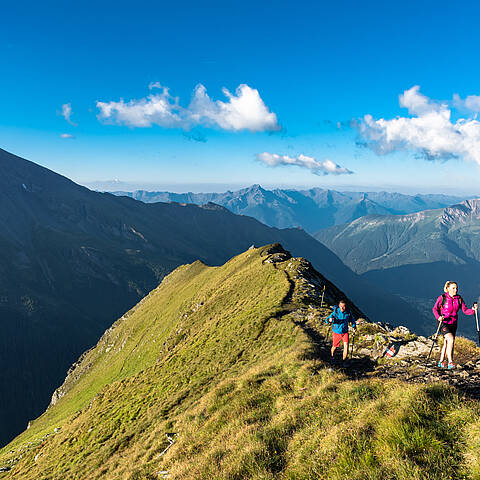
(334, 317)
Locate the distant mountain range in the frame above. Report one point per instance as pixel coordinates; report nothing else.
(73, 260)
(311, 210)
(413, 255)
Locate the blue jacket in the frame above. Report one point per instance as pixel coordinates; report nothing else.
(340, 320)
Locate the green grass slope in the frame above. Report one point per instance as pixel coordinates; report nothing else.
(73, 260)
(214, 376)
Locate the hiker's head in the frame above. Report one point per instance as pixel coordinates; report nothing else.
(342, 305)
(451, 288)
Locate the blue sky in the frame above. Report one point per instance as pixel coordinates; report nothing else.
(315, 65)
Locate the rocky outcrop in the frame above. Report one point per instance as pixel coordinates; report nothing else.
(462, 213)
(383, 351)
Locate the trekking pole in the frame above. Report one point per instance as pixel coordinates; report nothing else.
(476, 318)
(353, 343)
(434, 341)
(323, 293)
(330, 326)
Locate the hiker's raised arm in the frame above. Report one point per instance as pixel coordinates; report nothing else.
(466, 310)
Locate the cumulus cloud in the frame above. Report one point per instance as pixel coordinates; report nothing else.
(67, 113)
(429, 131)
(417, 103)
(157, 109)
(66, 135)
(243, 110)
(325, 167)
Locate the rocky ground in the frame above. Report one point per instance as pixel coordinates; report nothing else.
(379, 349)
(383, 351)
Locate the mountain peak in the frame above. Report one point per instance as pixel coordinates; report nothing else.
(462, 212)
(255, 188)
(16, 171)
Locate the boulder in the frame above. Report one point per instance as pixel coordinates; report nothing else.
(415, 348)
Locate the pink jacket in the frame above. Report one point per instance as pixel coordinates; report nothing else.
(450, 308)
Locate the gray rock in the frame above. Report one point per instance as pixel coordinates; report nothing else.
(402, 331)
(415, 348)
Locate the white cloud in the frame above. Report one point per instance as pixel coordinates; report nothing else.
(417, 103)
(67, 113)
(430, 131)
(325, 167)
(153, 85)
(470, 104)
(66, 135)
(157, 109)
(244, 110)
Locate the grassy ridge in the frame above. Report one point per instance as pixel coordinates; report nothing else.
(215, 356)
(296, 427)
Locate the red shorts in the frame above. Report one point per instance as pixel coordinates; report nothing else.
(338, 338)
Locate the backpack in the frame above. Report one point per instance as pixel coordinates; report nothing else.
(334, 316)
(444, 299)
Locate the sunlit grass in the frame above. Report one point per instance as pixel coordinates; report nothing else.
(213, 356)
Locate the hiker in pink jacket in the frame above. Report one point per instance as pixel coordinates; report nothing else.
(446, 311)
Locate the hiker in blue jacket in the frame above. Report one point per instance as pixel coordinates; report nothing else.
(339, 318)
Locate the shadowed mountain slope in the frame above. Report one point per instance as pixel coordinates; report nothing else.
(72, 260)
(219, 373)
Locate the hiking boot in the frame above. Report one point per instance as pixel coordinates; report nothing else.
(441, 365)
(345, 363)
(451, 365)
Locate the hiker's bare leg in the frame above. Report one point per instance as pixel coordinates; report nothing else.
(449, 346)
(444, 348)
(345, 350)
(332, 351)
